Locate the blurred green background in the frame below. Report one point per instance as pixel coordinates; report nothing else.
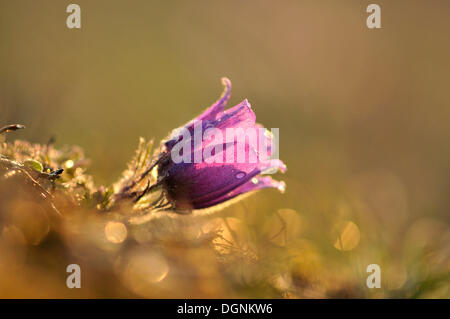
(363, 114)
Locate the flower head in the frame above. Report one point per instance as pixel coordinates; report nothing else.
(202, 164)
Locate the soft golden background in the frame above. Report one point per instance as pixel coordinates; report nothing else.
(363, 115)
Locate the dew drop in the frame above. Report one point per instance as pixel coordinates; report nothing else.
(240, 175)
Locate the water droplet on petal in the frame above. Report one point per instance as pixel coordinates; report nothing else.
(240, 175)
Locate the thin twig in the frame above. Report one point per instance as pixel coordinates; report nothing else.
(11, 128)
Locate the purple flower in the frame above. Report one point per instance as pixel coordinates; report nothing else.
(218, 177)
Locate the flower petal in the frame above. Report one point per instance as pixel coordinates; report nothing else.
(272, 166)
(210, 114)
(241, 116)
(254, 184)
(192, 183)
(219, 106)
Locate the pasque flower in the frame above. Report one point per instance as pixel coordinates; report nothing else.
(218, 176)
